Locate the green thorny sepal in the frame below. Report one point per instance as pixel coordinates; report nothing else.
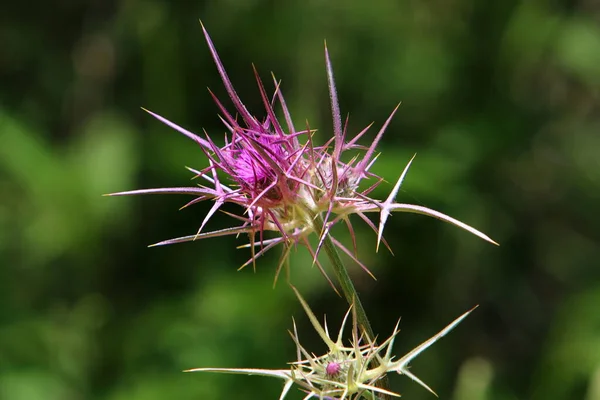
(344, 372)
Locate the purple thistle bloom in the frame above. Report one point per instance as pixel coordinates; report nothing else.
(284, 182)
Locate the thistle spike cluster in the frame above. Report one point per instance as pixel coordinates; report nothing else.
(347, 371)
(283, 181)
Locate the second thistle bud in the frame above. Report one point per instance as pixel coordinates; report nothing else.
(346, 371)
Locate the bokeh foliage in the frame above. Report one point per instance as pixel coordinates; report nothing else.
(500, 101)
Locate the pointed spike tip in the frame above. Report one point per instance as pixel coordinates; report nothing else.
(385, 211)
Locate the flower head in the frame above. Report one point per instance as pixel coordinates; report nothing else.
(346, 371)
(284, 182)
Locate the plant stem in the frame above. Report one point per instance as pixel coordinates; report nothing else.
(348, 289)
(350, 293)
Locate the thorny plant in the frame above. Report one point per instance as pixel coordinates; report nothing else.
(290, 187)
(284, 185)
(346, 371)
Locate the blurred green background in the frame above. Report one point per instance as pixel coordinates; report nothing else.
(499, 100)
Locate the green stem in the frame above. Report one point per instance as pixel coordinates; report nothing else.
(348, 289)
(350, 293)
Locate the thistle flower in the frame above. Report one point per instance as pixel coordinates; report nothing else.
(284, 182)
(345, 371)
